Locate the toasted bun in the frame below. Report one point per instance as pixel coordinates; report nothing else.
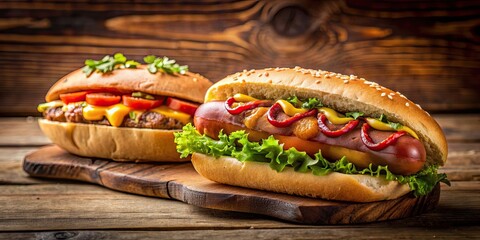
(341, 92)
(334, 186)
(190, 86)
(119, 144)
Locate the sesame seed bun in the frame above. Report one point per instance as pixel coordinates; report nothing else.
(340, 92)
(190, 86)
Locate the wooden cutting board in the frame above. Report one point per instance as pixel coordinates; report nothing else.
(181, 182)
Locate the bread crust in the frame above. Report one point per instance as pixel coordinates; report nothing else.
(119, 144)
(190, 86)
(341, 92)
(334, 186)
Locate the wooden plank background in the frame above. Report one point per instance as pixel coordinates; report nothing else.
(428, 50)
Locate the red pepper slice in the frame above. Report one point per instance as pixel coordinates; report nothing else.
(325, 130)
(247, 106)
(367, 140)
(276, 108)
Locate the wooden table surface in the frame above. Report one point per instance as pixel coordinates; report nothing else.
(34, 208)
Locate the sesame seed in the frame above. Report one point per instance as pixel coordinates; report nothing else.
(353, 77)
(407, 104)
(267, 74)
(235, 79)
(318, 74)
(367, 82)
(345, 81)
(248, 73)
(318, 81)
(345, 77)
(194, 79)
(403, 96)
(297, 67)
(332, 75)
(383, 94)
(326, 76)
(390, 96)
(378, 89)
(244, 70)
(268, 69)
(391, 93)
(363, 79)
(239, 75)
(260, 74)
(277, 69)
(372, 86)
(252, 70)
(418, 105)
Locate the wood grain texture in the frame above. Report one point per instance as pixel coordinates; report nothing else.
(429, 51)
(74, 206)
(181, 182)
(360, 233)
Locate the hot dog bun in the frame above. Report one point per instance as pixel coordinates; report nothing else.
(341, 92)
(119, 144)
(336, 186)
(190, 86)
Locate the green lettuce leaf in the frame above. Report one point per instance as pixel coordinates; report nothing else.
(270, 151)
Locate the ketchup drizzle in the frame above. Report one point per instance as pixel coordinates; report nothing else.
(276, 108)
(247, 106)
(325, 130)
(322, 118)
(367, 140)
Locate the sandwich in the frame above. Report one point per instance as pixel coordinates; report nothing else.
(314, 133)
(119, 109)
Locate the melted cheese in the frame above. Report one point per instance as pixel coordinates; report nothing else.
(94, 113)
(333, 117)
(116, 113)
(182, 117)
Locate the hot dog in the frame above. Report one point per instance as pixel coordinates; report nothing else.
(406, 156)
(314, 133)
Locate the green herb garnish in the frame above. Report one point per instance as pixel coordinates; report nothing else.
(164, 64)
(294, 101)
(132, 115)
(108, 64)
(271, 151)
(312, 103)
(393, 125)
(143, 95)
(309, 103)
(354, 115)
